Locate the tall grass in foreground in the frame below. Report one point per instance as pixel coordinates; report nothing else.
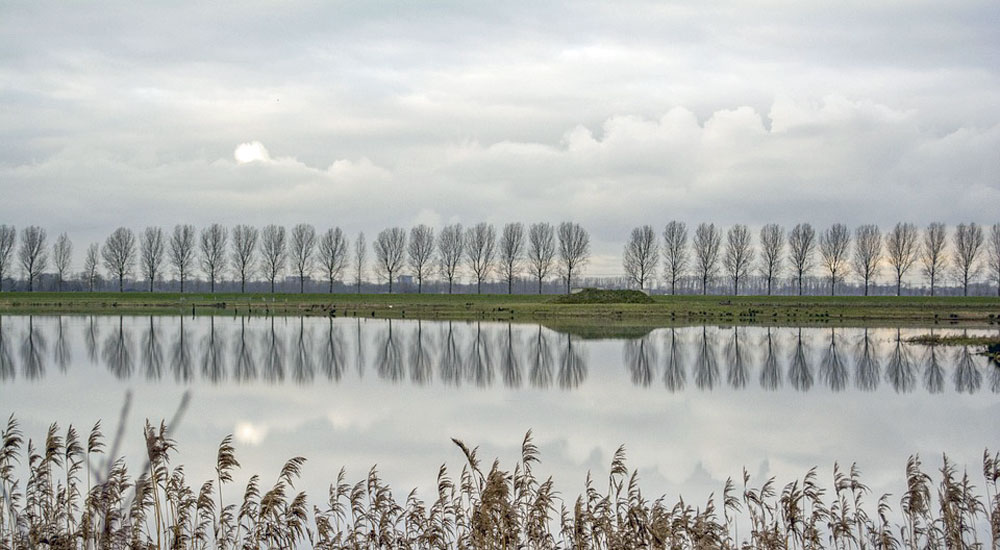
(65, 502)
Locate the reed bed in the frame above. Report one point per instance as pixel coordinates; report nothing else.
(64, 501)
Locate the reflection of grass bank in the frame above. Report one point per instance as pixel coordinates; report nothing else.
(660, 311)
(990, 345)
(57, 498)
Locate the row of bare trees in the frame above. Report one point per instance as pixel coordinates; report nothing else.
(244, 252)
(799, 252)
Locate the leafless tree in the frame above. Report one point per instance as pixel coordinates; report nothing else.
(32, 255)
(118, 254)
(833, 246)
(933, 258)
(303, 248)
(390, 247)
(360, 259)
(244, 252)
(968, 244)
(541, 251)
(511, 253)
(675, 253)
(801, 245)
(867, 253)
(739, 255)
(451, 246)
(181, 251)
(90, 264)
(642, 253)
(62, 256)
(772, 251)
(420, 252)
(333, 254)
(151, 251)
(993, 249)
(213, 252)
(902, 246)
(574, 250)
(707, 242)
(273, 252)
(480, 250)
(8, 237)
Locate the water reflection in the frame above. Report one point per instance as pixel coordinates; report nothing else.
(219, 350)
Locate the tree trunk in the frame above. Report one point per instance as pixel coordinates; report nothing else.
(390, 282)
(420, 285)
(704, 284)
(450, 280)
(331, 285)
(539, 285)
(121, 282)
(302, 283)
(510, 285)
(479, 286)
(272, 285)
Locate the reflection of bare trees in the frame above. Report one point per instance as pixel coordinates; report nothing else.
(421, 367)
(994, 378)
(481, 359)
(770, 373)
(90, 337)
(33, 352)
(640, 360)
(968, 378)
(359, 353)
(706, 366)
(389, 357)
(933, 373)
(572, 365)
(7, 369)
(274, 355)
(213, 361)
(867, 367)
(180, 355)
(451, 357)
(244, 363)
(737, 372)
(334, 363)
(674, 373)
(117, 351)
(60, 352)
(510, 364)
(152, 352)
(799, 372)
(540, 357)
(833, 369)
(900, 369)
(303, 370)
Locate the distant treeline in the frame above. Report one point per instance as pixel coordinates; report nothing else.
(537, 258)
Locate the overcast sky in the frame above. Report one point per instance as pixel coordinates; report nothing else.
(371, 114)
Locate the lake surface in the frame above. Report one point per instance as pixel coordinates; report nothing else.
(692, 405)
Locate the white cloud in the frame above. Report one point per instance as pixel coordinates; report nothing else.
(253, 151)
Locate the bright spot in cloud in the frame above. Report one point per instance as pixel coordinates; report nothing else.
(251, 152)
(246, 432)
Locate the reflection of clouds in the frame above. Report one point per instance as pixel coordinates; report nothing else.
(250, 434)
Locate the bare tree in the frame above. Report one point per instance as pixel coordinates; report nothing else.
(390, 246)
(303, 247)
(420, 251)
(273, 252)
(480, 249)
(574, 250)
(181, 251)
(118, 254)
(707, 242)
(968, 244)
(541, 251)
(244, 252)
(932, 254)
(511, 253)
(642, 253)
(213, 252)
(772, 251)
(90, 264)
(675, 253)
(902, 246)
(62, 256)
(867, 253)
(32, 255)
(151, 250)
(833, 246)
(451, 246)
(993, 249)
(801, 244)
(739, 255)
(360, 258)
(8, 237)
(333, 254)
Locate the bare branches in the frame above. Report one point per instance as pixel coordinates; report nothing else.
(213, 252)
(181, 251)
(707, 242)
(273, 252)
(833, 246)
(801, 245)
(480, 249)
(32, 255)
(90, 263)
(968, 244)
(333, 255)
(772, 251)
(511, 253)
(420, 252)
(244, 252)
(675, 253)
(151, 252)
(642, 253)
(360, 259)
(902, 246)
(574, 250)
(541, 251)
(933, 259)
(867, 253)
(302, 249)
(451, 245)
(118, 254)
(390, 246)
(993, 251)
(739, 255)
(62, 255)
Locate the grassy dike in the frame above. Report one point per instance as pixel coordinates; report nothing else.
(546, 309)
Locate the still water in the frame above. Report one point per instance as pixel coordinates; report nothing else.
(692, 405)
